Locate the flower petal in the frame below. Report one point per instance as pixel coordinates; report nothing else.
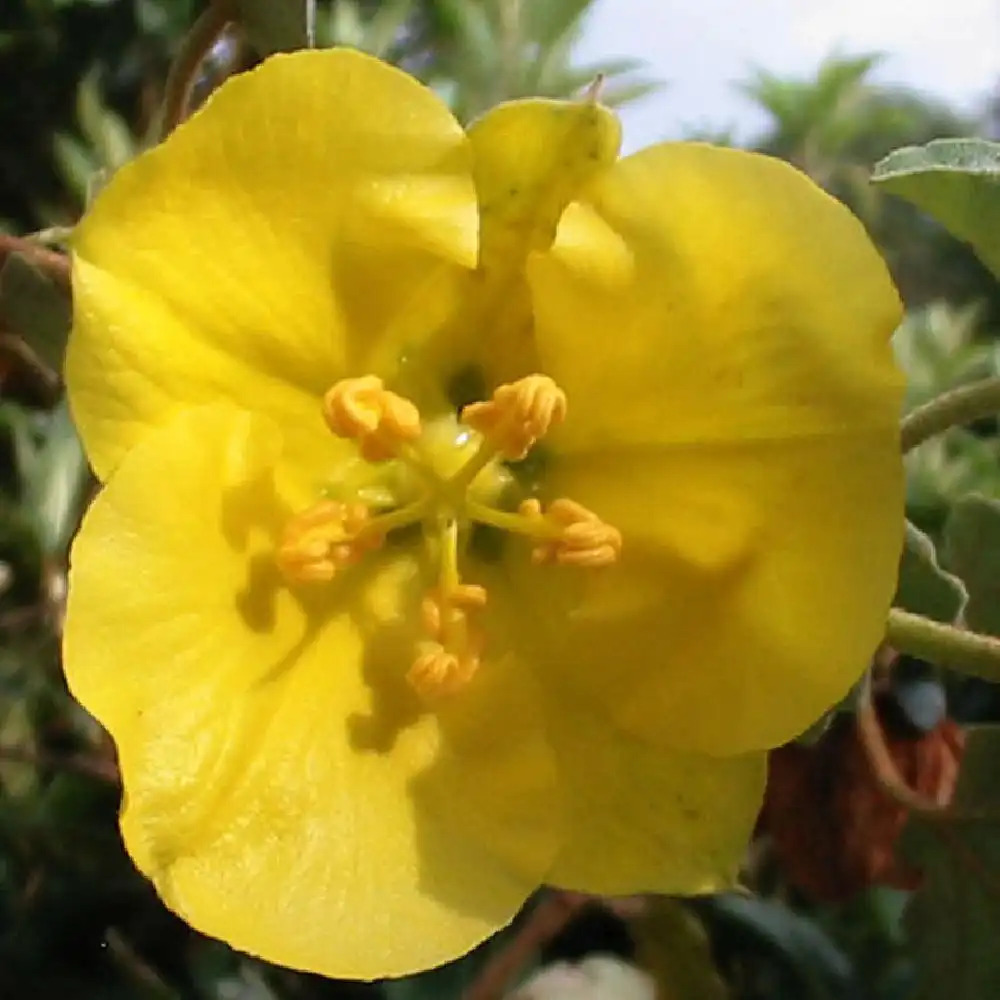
(285, 791)
(645, 819)
(704, 294)
(721, 329)
(531, 158)
(316, 208)
(752, 590)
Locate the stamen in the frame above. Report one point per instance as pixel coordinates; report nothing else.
(435, 480)
(568, 534)
(519, 414)
(381, 421)
(451, 658)
(436, 673)
(320, 541)
(581, 537)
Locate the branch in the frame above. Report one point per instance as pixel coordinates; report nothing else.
(544, 922)
(881, 760)
(950, 409)
(87, 766)
(53, 263)
(136, 967)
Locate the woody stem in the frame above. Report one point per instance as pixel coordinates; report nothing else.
(882, 764)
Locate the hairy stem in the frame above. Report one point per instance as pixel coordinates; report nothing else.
(944, 645)
(951, 409)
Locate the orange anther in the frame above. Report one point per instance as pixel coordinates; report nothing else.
(321, 540)
(364, 410)
(452, 658)
(581, 538)
(437, 673)
(519, 414)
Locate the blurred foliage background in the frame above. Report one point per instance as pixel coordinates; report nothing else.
(81, 82)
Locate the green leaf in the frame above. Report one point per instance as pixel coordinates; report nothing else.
(278, 25)
(924, 587)
(105, 131)
(953, 920)
(18, 424)
(957, 181)
(819, 968)
(346, 24)
(75, 162)
(35, 308)
(58, 489)
(386, 26)
(972, 548)
(475, 35)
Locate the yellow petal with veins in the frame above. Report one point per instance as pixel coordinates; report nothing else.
(285, 789)
(531, 158)
(721, 329)
(701, 294)
(645, 819)
(751, 592)
(316, 209)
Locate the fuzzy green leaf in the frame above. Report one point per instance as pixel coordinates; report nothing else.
(957, 181)
(34, 308)
(820, 969)
(954, 918)
(924, 587)
(972, 546)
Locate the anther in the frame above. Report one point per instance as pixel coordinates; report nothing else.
(581, 537)
(320, 541)
(519, 414)
(379, 420)
(450, 660)
(437, 673)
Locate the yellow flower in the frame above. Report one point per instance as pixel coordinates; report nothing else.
(477, 507)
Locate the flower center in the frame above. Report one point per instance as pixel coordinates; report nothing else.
(445, 475)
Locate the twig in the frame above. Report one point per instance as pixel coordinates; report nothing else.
(879, 757)
(53, 263)
(136, 967)
(950, 409)
(547, 919)
(195, 47)
(88, 767)
(51, 235)
(16, 349)
(944, 645)
(892, 782)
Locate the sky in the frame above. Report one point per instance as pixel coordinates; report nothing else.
(950, 48)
